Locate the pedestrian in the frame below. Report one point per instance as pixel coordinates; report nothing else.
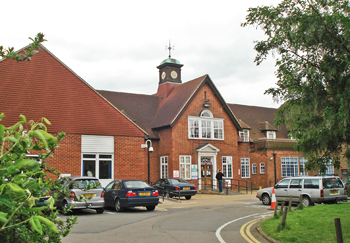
(219, 177)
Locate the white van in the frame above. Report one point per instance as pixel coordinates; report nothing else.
(314, 189)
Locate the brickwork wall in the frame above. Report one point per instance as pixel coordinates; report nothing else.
(175, 142)
(130, 160)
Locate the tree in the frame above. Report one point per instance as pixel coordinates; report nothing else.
(23, 180)
(311, 41)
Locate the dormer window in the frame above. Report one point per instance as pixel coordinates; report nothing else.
(244, 135)
(205, 126)
(271, 135)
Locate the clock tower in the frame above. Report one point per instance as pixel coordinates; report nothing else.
(170, 70)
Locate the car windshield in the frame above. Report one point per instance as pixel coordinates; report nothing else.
(82, 183)
(137, 184)
(332, 183)
(178, 181)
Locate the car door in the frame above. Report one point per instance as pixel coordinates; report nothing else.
(281, 190)
(108, 194)
(159, 186)
(295, 189)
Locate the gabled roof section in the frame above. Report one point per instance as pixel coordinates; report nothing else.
(254, 116)
(141, 109)
(171, 108)
(207, 147)
(266, 126)
(46, 87)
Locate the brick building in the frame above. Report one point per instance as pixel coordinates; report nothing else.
(192, 130)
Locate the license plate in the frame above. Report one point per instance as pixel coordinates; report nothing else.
(186, 188)
(89, 195)
(334, 192)
(144, 194)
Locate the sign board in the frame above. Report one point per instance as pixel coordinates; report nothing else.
(194, 172)
(176, 174)
(344, 172)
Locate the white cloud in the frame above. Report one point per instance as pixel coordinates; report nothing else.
(116, 45)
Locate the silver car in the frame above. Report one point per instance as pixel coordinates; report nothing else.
(314, 189)
(79, 197)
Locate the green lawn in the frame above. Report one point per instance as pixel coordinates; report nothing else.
(312, 224)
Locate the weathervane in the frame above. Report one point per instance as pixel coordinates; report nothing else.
(169, 48)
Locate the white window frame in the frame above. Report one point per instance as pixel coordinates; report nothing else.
(97, 160)
(185, 166)
(227, 168)
(245, 168)
(262, 168)
(205, 126)
(329, 168)
(272, 134)
(302, 170)
(164, 167)
(289, 166)
(254, 169)
(244, 135)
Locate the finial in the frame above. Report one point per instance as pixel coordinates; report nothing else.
(169, 48)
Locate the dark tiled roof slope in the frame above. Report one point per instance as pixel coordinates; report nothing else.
(139, 108)
(254, 116)
(45, 87)
(171, 107)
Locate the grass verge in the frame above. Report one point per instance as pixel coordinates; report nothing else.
(312, 224)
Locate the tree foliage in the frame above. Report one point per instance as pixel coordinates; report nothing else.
(23, 180)
(310, 39)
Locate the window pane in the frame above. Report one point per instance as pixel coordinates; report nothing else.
(105, 156)
(89, 156)
(89, 168)
(105, 170)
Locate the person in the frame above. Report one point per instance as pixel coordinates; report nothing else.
(219, 177)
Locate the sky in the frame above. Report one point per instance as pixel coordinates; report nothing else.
(117, 45)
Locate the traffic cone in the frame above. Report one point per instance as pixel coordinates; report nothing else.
(273, 199)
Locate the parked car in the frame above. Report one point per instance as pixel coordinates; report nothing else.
(175, 187)
(79, 197)
(346, 182)
(314, 189)
(121, 194)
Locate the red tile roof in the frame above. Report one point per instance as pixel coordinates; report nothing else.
(45, 87)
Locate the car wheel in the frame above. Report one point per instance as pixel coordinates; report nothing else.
(306, 201)
(118, 206)
(150, 208)
(188, 197)
(266, 200)
(100, 210)
(65, 207)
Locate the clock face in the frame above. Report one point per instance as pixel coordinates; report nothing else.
(163, 75)
(173, 74)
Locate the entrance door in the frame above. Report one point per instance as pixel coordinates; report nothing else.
(206, 172)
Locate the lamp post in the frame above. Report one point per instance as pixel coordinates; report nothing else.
(274, 163)
(148, 145)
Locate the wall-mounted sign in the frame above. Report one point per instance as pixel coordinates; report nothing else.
(176, 174)
(194, 172)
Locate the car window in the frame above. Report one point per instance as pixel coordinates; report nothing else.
(332, 183)
(109, 186)
(296, 183)
(138, 184)
(311, 183)
(282, 184)
(178, 181)
(117, 185)
(157, 183)
(82, 183)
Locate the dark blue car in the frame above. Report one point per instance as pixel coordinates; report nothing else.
(175, 187)
(121, 194)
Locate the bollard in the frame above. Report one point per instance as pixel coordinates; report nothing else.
(338, 230)
(284, 217)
